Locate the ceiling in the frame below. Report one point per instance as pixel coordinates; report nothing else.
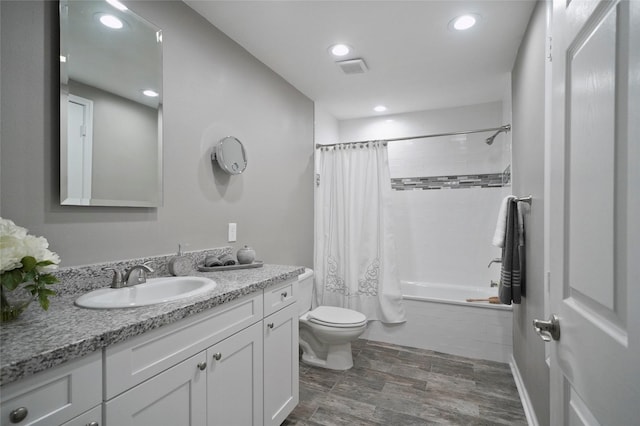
(123, 62)
(415, 61)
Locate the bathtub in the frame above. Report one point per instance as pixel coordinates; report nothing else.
(439, 318)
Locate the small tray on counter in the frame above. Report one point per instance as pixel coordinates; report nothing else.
(256, 264)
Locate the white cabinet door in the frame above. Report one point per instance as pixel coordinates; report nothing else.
(234, 379)
(176, 397)
(92, 417)
(280, 365)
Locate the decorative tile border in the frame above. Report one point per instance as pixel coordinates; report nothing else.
(488, 180)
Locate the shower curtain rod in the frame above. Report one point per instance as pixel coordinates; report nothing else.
(505, 128)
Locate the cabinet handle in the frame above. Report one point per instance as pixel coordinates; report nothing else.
(284, 295)
(93, 424)
(270, 325)
(202, 366)
(217, 356)
(18, 415)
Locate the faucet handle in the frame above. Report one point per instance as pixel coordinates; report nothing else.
(117, 281)
(137, 274)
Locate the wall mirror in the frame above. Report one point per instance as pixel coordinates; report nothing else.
(230, 155)
(110, 106)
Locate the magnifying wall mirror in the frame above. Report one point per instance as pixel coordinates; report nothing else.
(110, 106)
(230, 155)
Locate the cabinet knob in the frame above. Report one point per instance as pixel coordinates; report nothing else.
(18, 415)
(217, 356)
(270, 325)
(93, 424)
(202, 366)
(284, 295)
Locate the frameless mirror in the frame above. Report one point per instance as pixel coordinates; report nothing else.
(110, 106)
(230, 155)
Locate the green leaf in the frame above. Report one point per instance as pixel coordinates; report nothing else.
(31, 275)
(44, 263)
(48, 279)
(44, 301)
(47, 292)
(12, 279)
(29, 263)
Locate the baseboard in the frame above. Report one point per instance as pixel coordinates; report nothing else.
(529, 412)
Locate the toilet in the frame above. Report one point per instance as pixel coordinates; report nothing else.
(326, 332)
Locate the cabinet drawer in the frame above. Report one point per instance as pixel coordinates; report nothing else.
(279, 296)
(138, 359)
(57, 395)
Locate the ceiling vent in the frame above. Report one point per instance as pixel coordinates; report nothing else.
(353, 66)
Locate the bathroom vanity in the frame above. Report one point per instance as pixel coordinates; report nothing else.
(226, 358)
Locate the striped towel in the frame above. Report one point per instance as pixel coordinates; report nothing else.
(512, 278)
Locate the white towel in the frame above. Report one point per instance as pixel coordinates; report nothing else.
(501, 225)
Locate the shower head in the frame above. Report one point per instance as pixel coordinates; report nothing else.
(505, 129)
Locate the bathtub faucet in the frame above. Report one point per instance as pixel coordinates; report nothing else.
(496, 260)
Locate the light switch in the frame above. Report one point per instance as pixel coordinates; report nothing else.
(232, 232)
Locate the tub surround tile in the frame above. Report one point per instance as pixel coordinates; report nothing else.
(39, 339)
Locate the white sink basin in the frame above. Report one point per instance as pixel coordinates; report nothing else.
(155, 290)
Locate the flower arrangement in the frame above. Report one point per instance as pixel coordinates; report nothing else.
(24, 259)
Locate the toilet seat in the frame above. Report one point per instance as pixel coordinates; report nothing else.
(332, 316)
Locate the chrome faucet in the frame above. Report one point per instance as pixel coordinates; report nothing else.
(496, 260)
(136, 275)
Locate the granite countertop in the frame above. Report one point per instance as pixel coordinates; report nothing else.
(39, 339)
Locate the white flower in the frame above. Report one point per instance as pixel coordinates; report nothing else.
(15, 244)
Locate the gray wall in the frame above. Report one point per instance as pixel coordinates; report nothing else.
(212, 88)
(528, 88)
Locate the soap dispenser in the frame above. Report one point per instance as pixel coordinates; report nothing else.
(179, 265)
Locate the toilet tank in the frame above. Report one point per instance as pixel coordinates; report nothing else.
(305, 290)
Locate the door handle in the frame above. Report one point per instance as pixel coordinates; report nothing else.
(548, 330)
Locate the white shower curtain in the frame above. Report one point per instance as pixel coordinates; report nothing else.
(355, 256)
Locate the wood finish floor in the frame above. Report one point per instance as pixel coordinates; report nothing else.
(401, 386)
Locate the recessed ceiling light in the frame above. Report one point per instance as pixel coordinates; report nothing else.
(150, 93)
(117, 5)
(464, 22)
(339, 50)
(111, 22)
(380, 108)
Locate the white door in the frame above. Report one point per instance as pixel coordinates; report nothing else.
(79, 149)
(595, 213)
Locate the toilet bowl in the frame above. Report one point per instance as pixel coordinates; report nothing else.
(326, 332)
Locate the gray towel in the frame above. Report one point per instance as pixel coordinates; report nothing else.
(211, 261)
(227, 260)
(512, 275)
